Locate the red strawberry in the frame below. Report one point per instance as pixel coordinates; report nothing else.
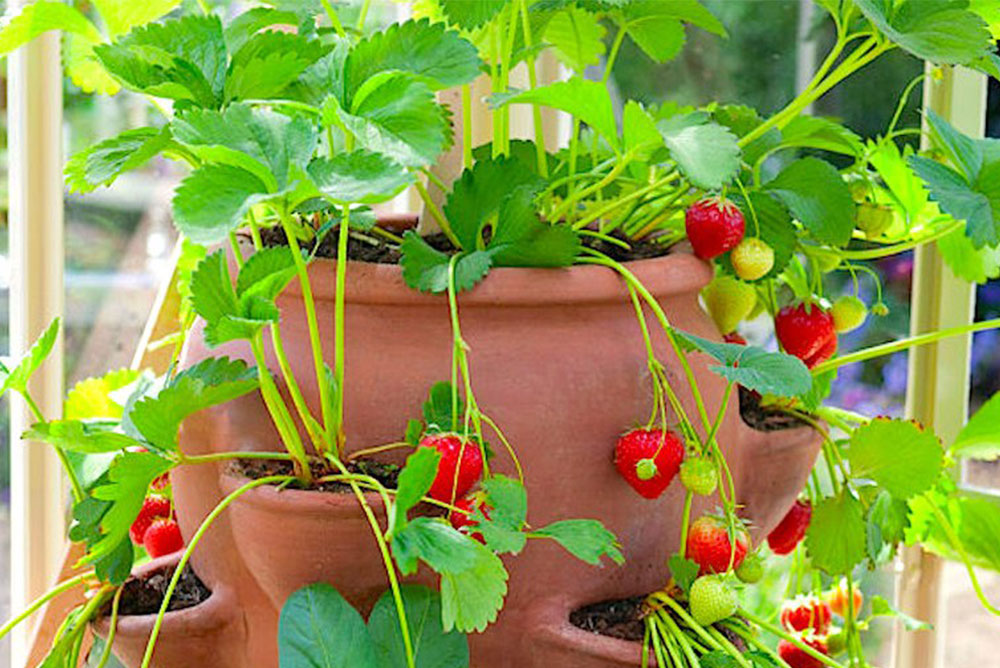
(736, 338)
(163, 537)
(456, 454)
(464, 519)
(796, 658)
(709, 546)
(154, 507)
(791, 529)
(649, 459)
(806, 612)
(828, 350)
(714, 226)
(806, 332)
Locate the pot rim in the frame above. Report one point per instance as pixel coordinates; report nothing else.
(556, 631)
(331, 506)
(371, 283)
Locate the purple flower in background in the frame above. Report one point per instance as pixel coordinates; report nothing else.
(894, 374)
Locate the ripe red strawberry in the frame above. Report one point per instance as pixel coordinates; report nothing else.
(456, 454)
(464, 519)
(163, 537)
(806, 612)
(806, 332)
(791, 529)
(714, 226)
(649, 459)
(708, 544)
(154, 507)
(796, 658)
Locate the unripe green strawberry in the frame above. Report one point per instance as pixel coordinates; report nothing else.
(752, 259)
(836, 641)
(711, 600)
(874, 219)
(880, 309)
(729, 301)
(699, 475)
(861, 189)
(752, 569)
(848, 313)
(645, 469)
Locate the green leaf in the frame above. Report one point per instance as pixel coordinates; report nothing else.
(182, 59)
(639, 132)
(587, 540)
(882, 608)
(578, 38)
(432, 646)
(906, 471)
(754, 368)
(129, 479)
(835, 539)
(975, 521)
(211, 382)
(468, 15)
(473, 579)
(267, 63)
(440, 57)
(942, 31)
(965, 154)
(980, 438)
(102, 163)
(40, 17)
(426, 268)
(508, 510)
(250, 22)
(718, 659)
(816, 194)
(415, 480)
(265, 273)
(520, 239)
(822, 384)
(886, 525)
(120, 16)
(92, 397)
(96, 651)
(959, 199)
(359, 177)
(17, 378)
(439, 414)
(397, 115)
(585, 100)
(976, 265)
(821, 133)
(656, 26)
(683, 571)
(79, 436)
(82, 67)
(212, 201)
(708, 154)
(318, 628)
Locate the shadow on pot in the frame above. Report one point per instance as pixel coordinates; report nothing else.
(208, 633)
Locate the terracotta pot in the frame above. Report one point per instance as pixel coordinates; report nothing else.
(290, 539)
(557, 360)
(208, 634)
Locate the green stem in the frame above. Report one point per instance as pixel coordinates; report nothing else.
(895, 249)
(186, 556)
(609, 64)
(903, 344)
(960, 548)
(784, 635)
(339, 327)
(334, 19)
(689, 620)
(112, 629)
(436, 214)
(319, 439)
(567, 206)
(279, 411)
(186, 460)
(302, 271)
(363, 16)
(234, 243)
(686, 521)
(728, 647)
(617, 203)
(78, 492)
(64, 586)
(467, 126)
(536, 111)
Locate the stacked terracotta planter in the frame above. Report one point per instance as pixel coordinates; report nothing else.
(558, 361)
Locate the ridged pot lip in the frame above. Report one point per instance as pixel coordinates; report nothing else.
(214, 613)
(554, 630)
(370, 283)
(297, 502)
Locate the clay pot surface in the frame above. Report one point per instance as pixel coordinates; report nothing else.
(558, 361)
(208, 634)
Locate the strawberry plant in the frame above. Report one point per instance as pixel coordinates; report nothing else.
(292, 124)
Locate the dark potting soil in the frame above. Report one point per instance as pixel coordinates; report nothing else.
(380, 251)
(144, 596)
(762, 418)
(621, 618)
(254, 469)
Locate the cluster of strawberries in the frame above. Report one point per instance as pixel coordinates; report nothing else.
(810, 617)
(459, 469)
(806, 329)
(156, 527)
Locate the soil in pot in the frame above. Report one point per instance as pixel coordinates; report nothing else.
(764, 418)
(254, 469)
(144, 595)
(621, 618)
(379, 251)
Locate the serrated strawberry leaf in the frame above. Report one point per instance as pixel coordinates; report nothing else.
(980, 437)
(835, 539)
(587, 540)
(266, 63)
(212, 201)
(86, 437)
(359, 177)
(426, 268)
(754, 368)
(432, 646)
(975, 522)
(683, 571)
(507, 503)
(578, 38)
(40, 17)
(887, 521)
(439, 412)
(318, 627)
(821, 133)
(941, 31)
(875, 454)
(961, 200)
(415, 480)
(209, 383)
(99, 397)
(103, 162)
(706, 153)
(817, 196)
(16, 379)
(473, 579)
(469, 15)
